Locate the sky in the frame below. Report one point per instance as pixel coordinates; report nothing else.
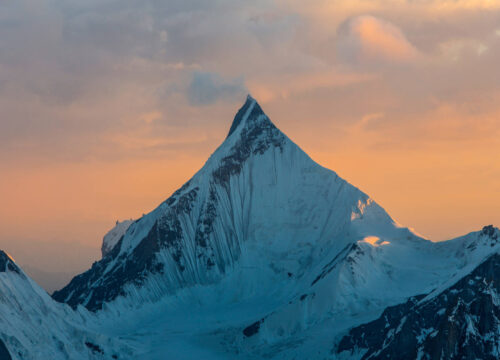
(109, 106)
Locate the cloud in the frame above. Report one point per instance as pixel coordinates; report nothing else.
(73, 74)
(366, 39)
(208, 88)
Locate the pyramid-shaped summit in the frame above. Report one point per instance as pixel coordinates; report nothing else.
(250, 110)
(254, 134)
(257, 200)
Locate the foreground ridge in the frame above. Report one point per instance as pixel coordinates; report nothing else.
(460, 322)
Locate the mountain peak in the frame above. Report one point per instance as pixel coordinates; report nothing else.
(7, 263)
(490, 231)
(250, 110)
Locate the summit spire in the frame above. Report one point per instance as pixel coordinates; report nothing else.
(250, 109)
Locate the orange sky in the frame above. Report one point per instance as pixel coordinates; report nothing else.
(104, 116)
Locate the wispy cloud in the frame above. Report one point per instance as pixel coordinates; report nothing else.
(208, 88)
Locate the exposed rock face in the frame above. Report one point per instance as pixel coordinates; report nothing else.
(114, 235)
(4, 352)
(461, 322)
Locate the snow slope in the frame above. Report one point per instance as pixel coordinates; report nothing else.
(33, 326)
(458, 322)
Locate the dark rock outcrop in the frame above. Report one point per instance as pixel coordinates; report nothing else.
(461, 322)
(4, 352)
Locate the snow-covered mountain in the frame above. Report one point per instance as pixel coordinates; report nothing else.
(259, 213)
(33, 326)
(459, 322)
(263, 253)
(114, 235)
